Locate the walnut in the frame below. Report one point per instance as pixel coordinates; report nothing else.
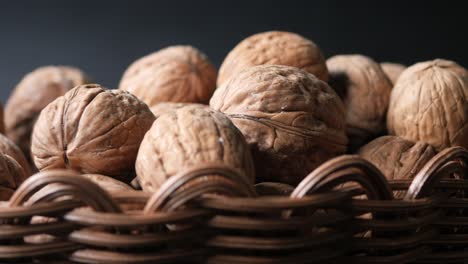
(35, 91)
(292, 120)
(429, 103)
(91, 130)
(9, 148)
(365, 90)
(173, 74)
(107, 183)
(274, 47)
(162, 108)
(11, 176)
(393, 70)
(190, 135)
(397, 158)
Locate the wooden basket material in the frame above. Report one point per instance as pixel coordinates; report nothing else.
(386, 229)
(80, 222)
(278, 229)
(57, 217)
(447, 173)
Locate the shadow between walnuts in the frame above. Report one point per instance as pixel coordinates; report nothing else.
(339, 82)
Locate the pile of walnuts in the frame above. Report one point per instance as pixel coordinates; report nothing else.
(275, 111)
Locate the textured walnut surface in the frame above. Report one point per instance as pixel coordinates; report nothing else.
(365, 90)
(35, 91)
(11, 176)
(186, 137)
(393, 70)
(429, 103)
(292, 120)
(107, 183)
(92, 130)
(173, 74)
(274, 47)
(162, 108)
(397, 158)
(9, 148)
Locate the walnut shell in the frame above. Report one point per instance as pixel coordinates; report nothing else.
(190, 135)
(292, 120)
(9, 148)
(162, 108)
(11, 176)
(365, 90)
(429, 103)
(393, 70)
(22, 109)
(107, 183)
(274, 47)
(397, 158)
(173, 74)
(92, 130)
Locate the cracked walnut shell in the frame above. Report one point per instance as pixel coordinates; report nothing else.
(429, 103)
(292, 120)
(91, 130)
(188, 136)
(365, 90)
(35, 91)
(274, 47)
(173, 74)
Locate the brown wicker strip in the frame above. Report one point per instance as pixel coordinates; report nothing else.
(322, 255)
(110, 257)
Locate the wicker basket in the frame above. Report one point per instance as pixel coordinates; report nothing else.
(82, 223)
(344, 211)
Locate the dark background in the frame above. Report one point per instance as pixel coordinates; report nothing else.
(103, 37)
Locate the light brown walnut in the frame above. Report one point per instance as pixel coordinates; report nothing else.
(9, 148)
(173, 74)
(365, 90)
(35, 91)
(274, 47)
(162, 108)
(190, 136)
(429, 103)
(292, 120)
(11, 176)
(397, 158)
(393, 70)
(91, 130)
(107, 183)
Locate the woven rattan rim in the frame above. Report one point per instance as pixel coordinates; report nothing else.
(343, 169)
